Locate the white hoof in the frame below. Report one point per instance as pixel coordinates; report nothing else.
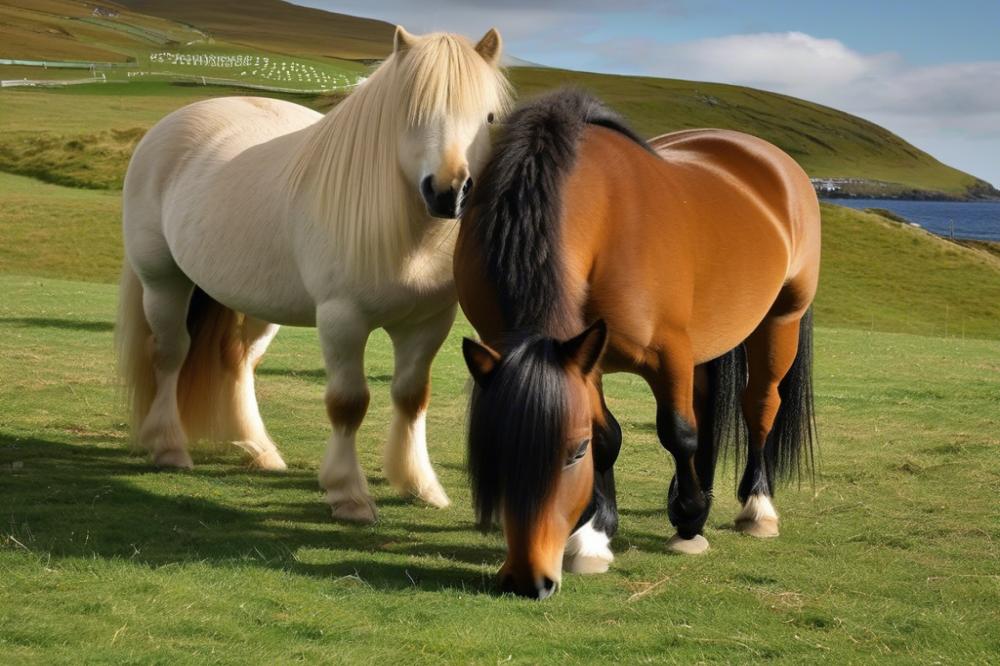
(355, 511)
(588, 551)
(175, 458)
(695, 546)
(424, 486)
(758, 518)
(269, 461)
(434, 496)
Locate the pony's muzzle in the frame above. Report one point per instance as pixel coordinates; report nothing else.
(540, 588)
(449, 203)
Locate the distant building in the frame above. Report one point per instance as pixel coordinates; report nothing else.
(824, 185)
(105, 12)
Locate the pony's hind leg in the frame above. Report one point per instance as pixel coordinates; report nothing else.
(343, 334)
(771, 350)
(251, 435)
(406, 462)
(165, 303)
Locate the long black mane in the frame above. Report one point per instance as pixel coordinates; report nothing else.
(516, 420)
(516, 208)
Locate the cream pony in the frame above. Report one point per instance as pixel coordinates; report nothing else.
(243, 213)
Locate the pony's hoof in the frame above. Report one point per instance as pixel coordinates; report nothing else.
(694, 546)
(421, 484)
(588, 564)
(355, 511)
(762, 528)
(173, 458)
(588, 551)
(269, 461)
(758, 517)
(434, 495)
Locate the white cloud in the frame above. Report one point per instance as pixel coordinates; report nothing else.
(952, 110)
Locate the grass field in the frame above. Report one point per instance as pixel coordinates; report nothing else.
(893, 553)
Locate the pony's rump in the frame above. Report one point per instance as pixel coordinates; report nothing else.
(516, 208)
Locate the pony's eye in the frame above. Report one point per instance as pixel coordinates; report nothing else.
(490, 118)
(581, 451)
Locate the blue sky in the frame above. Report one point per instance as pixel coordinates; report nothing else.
(929, 71)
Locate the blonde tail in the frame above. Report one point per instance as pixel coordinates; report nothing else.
(134, 347)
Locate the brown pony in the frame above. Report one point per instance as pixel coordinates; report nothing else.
(697, 257)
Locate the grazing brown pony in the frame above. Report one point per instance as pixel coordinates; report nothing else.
(697, 257)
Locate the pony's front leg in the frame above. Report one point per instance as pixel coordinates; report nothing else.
(406, 462)
(676, 428)
(343, 335)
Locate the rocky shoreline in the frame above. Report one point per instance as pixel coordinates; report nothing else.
(860, 188)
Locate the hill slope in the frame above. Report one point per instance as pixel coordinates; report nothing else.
(828, 143)
(876, 274)
(278, 26)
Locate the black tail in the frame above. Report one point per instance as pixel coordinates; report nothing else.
(790, 446)
(792, 440)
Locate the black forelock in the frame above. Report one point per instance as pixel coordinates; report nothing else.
(516, 427)
(517, 205)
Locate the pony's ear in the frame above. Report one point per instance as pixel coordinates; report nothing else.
(490, 46)
(481, 359)
(402, 40)
(586, 349)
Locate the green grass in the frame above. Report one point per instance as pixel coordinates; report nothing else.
(892, 555)
(876, 275)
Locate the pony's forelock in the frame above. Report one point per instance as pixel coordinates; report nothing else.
(516, 430)
(442, 75)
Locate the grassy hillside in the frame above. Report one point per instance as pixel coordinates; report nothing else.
(278, 26)
(828, 143)
(143, 47)
(892, 555)
(68, 30)
(876, 275)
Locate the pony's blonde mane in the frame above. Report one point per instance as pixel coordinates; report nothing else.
(347, 171)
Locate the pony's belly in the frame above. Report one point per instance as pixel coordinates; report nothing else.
(243, 270)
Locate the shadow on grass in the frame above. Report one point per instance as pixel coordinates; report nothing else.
(65, 324)
(72, 501)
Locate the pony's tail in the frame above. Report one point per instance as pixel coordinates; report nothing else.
(133, 347)
(727, 377)
(210, 391)
(791, 444)
(212, 395)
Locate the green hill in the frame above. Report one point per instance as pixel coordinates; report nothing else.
(278, 26)
(877, 274)
(867, 159)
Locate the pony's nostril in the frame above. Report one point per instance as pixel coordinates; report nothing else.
(507, 583)
(467, 186)
(427, 187)
(546, 587)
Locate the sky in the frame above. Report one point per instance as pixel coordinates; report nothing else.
(928, 71)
